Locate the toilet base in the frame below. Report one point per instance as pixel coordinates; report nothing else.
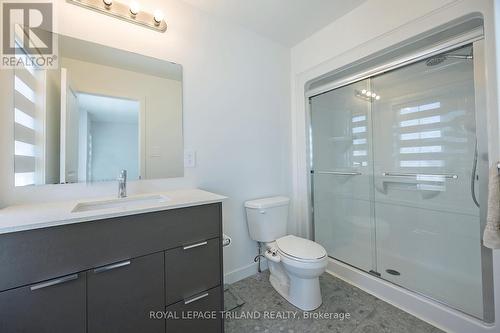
(303, 293)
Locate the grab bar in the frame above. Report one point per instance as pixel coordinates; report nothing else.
(341, 173)
(411, 175)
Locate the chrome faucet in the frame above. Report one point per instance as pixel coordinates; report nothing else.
(122, 184)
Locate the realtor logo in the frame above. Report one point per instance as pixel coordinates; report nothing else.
(27, 38)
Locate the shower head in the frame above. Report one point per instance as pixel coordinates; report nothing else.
(436, 60)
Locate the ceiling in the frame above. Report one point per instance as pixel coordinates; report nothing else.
(285, 21)
(109, 109)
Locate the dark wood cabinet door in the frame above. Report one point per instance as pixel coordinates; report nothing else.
(122, 295)
(54, 306)
(191, 269)
(198, 314)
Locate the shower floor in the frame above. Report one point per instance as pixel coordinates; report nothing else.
(367, 313)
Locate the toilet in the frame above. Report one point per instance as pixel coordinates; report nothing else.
(295, 263)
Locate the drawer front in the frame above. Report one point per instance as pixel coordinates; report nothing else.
(191, 269)
(121, 296)
(37, 255)
(54, 306)
(208, 303)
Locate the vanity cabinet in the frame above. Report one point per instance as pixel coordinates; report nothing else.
(54, 306)
(201, 304)
(121, 295)
(192, 269)
(108, 275)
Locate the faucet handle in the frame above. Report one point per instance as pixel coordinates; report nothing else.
(123, 175)
(122, 184)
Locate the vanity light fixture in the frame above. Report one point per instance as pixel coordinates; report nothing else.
(135, 8)
(158, 16)
(131, 12)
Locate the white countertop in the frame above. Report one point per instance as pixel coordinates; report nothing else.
(27, 217)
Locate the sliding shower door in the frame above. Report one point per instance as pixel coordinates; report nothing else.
(396, 178)
(427, 223)
(343, 185)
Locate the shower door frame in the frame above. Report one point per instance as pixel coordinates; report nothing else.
(476, 39)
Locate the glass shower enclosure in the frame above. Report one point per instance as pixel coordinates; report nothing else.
(397, 184)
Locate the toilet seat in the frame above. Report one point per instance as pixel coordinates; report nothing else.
(300, 249)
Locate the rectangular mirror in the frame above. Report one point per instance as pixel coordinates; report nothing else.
(101, 111)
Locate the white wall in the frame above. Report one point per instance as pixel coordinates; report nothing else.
(236, 112)
(115, 146)
(374, 26)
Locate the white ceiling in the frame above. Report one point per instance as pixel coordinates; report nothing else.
(109, 109)
(285, 21)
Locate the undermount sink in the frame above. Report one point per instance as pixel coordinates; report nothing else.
(124, 203)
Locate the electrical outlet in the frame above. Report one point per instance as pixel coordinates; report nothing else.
(189, 159)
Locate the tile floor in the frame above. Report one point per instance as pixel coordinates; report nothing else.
(368, 314)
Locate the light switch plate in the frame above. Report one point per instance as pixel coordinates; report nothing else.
(155, 151)
(189, 159)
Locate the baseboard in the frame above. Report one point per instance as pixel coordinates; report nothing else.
(243, 272)
(435, 313)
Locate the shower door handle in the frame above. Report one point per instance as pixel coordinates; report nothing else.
(413, 181)
(416, 175)
(338, 173)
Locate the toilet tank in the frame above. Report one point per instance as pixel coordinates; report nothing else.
(267, 218)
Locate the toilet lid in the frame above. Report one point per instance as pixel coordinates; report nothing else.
(300, 248)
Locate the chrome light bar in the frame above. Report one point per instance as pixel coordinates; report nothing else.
(131, 13)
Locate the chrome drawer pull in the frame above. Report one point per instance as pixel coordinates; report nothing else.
(110, 267)
(187, 247)
(411, 175)
(54, 282)
(194, 299)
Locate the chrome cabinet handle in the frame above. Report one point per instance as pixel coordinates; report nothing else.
(341, 173)
(196, 298)
(111, 267)
(54, 282)
(412, 175)
(187, 247)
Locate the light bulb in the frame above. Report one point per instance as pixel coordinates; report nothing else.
(369, 93)
(108, 3)
(134, 8)
(158, 16)
(377, 97)
(363, 91)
